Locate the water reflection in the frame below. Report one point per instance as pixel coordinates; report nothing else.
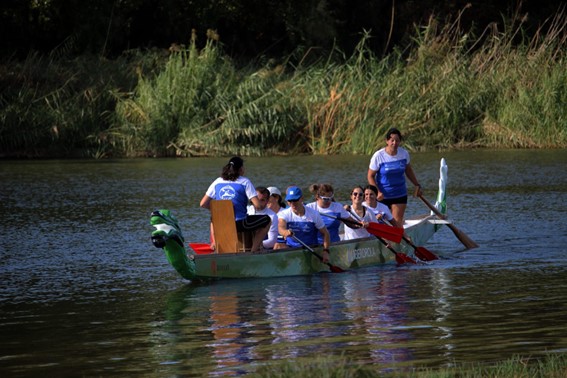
(364, 316)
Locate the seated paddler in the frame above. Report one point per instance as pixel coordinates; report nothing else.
(299, 222)
(234, 186)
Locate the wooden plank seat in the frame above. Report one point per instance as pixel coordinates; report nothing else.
(226, 238)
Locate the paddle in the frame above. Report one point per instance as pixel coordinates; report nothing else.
(334, 269)
(421, 252)
(467, 242)
(401, 258)
(379, 230)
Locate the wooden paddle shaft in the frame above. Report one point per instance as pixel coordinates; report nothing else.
(467, 242)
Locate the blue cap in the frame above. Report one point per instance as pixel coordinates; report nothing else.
(293, 193)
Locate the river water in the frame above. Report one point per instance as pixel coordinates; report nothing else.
(84, 293)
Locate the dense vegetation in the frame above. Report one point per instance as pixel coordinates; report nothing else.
(249, 28)
(446, 88)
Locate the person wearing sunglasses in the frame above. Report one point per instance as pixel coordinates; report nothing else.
(387, 171)
(361, 213)
(331, 210)
(301, 222)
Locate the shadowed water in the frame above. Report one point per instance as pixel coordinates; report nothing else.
(83, 291)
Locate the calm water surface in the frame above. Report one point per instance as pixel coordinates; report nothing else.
(83, 291)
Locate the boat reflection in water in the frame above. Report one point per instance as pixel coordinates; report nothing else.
(229, 326)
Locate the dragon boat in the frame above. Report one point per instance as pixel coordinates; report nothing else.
(196, 262)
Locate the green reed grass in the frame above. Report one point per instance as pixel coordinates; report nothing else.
(447, 89)
(55, 107)
(550, 366)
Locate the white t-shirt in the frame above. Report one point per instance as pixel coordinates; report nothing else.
(356, 233)
(305, 227)
(380, 209)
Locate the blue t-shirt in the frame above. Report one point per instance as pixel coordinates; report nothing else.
(305, 227)
(238, 191)
(391, 172)
(335, 210)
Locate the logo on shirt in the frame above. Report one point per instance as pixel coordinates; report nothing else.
(227, 193)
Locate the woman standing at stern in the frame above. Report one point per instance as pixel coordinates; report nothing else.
(387, 170)
(232, 185)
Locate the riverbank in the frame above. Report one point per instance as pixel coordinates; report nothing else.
(446, 90)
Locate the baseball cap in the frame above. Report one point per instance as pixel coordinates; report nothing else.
(274, 190)
(293, 193)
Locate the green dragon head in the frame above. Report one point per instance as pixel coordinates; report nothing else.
(167, 228)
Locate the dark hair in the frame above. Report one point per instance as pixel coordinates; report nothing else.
(357, 187)
(372, 187)
(263, 190)
(231, 171)
(281, 202)
(394, 131)
(318, 189)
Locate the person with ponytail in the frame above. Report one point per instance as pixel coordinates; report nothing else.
(233, 186)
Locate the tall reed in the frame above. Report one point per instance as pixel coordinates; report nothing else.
(447, 89)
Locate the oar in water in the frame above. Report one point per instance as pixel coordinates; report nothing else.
(379, 230)
(467, 242)
(334, 269)
(421, 252)
(401, 258)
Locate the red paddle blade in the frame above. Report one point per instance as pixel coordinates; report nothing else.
(425, 254)
(335, 269)
(394, 234)
(402, 258)
(201, 248)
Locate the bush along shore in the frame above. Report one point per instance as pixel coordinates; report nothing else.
(448, 89)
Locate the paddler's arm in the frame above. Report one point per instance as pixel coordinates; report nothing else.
(411, 176)
(206, 202)
(326, 243)
(282, 228)
(371, 176)
(255, 202)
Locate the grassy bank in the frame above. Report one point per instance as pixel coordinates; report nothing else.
(447, 89)
(552, 366)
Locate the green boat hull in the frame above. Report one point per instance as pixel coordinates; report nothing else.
(347, 255)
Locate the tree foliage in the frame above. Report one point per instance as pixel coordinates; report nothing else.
(247, 28)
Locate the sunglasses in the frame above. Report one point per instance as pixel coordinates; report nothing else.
(292, 201)
(326, 199)
(357, 194)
